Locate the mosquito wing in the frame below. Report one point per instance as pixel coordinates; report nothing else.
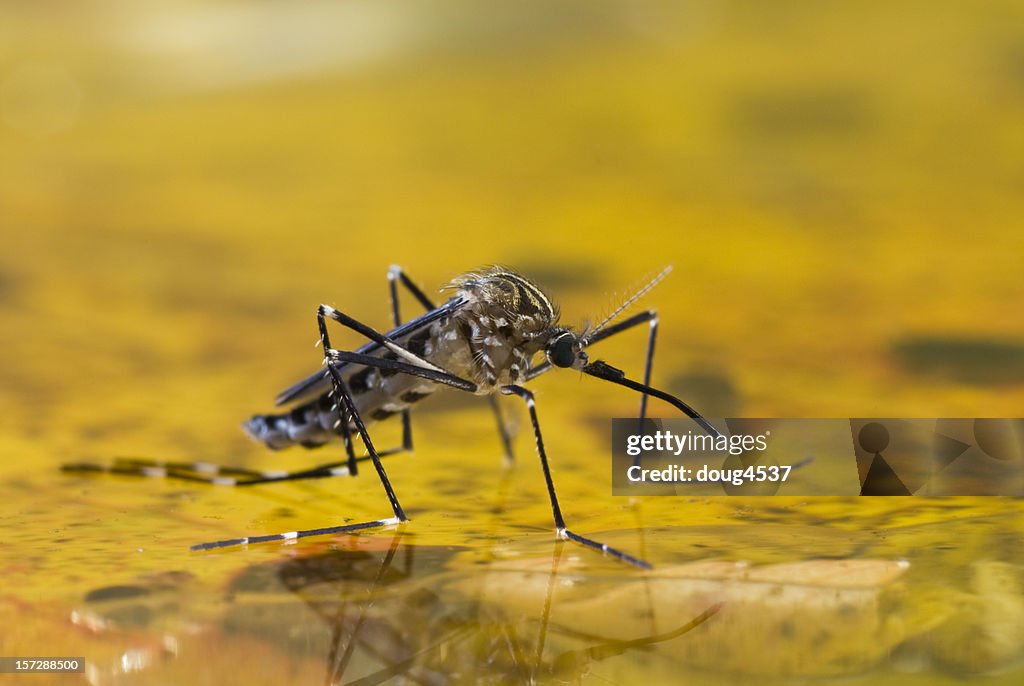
(320, 381)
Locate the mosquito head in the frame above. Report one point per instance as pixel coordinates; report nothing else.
(564, 349)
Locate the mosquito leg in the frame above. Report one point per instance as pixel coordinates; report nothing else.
(216, 475)
(348, 412)
(651, 317)
(506, 439)
(397, 276)
(560, 527)
(418, 367)
(325, 312)
(399, 515)
(183, 471)
(396, 319)
(342, 429)
(435, 374)
(204, 472)
(293, 535)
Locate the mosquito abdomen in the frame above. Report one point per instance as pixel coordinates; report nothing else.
(309, 425)
(313, 424)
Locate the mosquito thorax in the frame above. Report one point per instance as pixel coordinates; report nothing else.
(491, 339)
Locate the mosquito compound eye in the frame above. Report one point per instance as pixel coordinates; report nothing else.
(561, 353)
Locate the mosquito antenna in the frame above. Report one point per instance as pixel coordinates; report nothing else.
(636, 296)
(603, 370)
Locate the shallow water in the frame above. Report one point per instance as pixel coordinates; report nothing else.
(743, 589)
(176, 197)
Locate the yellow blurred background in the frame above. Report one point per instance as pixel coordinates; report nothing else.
(839, 187)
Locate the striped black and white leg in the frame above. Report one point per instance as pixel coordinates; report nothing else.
(208, 473)
(397, 276)
(399, 515)
(561, 529)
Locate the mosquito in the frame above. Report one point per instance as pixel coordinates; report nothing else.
(483, 340)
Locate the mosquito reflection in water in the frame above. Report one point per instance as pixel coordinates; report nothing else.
(399, 611)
